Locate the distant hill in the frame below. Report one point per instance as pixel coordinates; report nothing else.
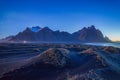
(38, 34)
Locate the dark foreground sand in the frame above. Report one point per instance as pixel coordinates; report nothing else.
(74, 62)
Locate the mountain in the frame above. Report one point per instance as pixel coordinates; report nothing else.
(37, 34)
(26, 35)
(90, 34)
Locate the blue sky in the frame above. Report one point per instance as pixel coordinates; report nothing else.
(64, 15)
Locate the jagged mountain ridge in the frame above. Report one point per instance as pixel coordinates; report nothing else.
(90, 34)
(37, 34)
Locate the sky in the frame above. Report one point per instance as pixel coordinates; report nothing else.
(63, 15)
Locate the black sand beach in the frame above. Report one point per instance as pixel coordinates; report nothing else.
(33, 61)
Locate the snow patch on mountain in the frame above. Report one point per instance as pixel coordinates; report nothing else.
(35, 28)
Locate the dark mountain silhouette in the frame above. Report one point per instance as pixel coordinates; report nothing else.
(90, 34)
(37, 34)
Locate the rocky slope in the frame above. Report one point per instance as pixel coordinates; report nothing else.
(90, 34)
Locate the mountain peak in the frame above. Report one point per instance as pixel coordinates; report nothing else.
(90, 34)
(84, 28)
(27, 30)
(92, 27)
(35, 28)
(46, 29)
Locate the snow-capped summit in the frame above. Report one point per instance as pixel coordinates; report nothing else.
(35, 28)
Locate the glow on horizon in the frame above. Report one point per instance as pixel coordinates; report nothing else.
(114, 38)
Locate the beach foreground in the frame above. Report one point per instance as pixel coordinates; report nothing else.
(33, 61)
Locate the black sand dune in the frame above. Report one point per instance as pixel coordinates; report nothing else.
(58, 62)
